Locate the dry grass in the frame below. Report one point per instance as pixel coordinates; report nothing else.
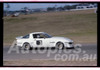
(81, 26)
(49, 63)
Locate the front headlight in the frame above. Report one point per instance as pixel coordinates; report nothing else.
(70, 42)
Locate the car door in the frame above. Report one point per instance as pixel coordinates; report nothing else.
(38, 40)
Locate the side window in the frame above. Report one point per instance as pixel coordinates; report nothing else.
(42, 36)
(35, 35)
(38, 36)
(26, 36)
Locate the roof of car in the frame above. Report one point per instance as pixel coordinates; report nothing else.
(37, 32)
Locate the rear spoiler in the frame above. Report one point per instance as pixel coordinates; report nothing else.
(19, 37)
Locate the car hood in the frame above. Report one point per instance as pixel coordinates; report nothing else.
(62, 39)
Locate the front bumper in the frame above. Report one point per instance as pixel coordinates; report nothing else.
(70, 47)
(69, 44)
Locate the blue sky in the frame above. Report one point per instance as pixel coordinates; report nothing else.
(18, 6)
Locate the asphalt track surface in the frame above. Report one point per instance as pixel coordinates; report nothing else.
(88, 49)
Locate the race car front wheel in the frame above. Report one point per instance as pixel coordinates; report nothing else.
(59, 45)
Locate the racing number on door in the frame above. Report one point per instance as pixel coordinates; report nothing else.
(39, 42)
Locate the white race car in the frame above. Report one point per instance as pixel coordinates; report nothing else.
(42, 39)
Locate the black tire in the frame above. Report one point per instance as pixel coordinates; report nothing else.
(26, 46)
(60, 45)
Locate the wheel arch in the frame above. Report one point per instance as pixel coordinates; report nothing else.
(59, 42)
(26, 43)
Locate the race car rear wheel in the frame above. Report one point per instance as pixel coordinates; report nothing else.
(26, 46)
(60, 45)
